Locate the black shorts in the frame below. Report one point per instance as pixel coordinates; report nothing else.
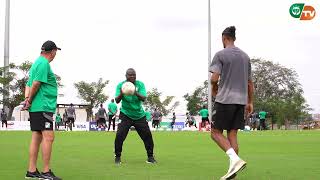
(40, 121)
(111, 117)
(102, 120)
(205, 119)
(70, 119)
(4, 121)
(228, 116)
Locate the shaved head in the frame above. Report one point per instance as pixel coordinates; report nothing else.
(131, 75)
(130, 70)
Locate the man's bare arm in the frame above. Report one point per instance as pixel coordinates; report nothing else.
(214, 83)
(33, 90)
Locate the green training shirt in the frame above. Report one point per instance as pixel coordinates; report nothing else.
(112, 107)
(262, 114)
(58, 118)
(45, 100)
(204, 113)
(131, 106)
(148, 115)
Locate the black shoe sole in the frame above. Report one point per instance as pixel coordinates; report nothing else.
(51, 178)
(33, 178)
(235, 174)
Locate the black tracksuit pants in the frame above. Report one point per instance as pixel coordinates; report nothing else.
(141, 127)
(113, 120)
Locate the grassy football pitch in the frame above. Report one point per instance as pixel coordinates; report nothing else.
(271, 155)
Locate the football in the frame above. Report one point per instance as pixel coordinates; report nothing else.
(128, 88)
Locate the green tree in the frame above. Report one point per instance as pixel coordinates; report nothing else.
(92, 93)
(197, 99)
(278, 91)
(153, 101)
(16, 78)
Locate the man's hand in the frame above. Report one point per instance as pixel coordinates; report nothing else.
(141, 97)
(26, 104)
(249, 109)
(118, 98)
(121, 92)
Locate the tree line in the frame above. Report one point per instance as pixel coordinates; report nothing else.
(277, 91)
(91, 93)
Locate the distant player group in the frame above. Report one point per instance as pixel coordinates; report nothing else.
(232, 89)
(102, 116)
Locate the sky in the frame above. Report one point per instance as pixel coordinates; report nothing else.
(165, 41)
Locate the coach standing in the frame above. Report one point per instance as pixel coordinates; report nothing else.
(132, 114)
(41, 101)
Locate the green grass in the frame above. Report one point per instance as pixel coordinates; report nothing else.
(271, 155)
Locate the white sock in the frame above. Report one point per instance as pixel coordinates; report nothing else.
(232, 155)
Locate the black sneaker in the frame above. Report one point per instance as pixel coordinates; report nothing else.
(49, 176)
(151, 160)
(33, 175)
(117, 160)
(233, 177)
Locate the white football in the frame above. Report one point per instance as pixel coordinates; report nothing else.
(128, 88)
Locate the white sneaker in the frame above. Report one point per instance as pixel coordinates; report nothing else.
(234, 168)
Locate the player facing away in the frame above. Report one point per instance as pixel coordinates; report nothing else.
(132, 114)
(233, 96)
(262, 117)
(57, 121)
(156, 118)
(113, 109)
(3, 116)
(204, 116)
(71, 114)
(102, 113)
(148, 115)
(173, 120)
